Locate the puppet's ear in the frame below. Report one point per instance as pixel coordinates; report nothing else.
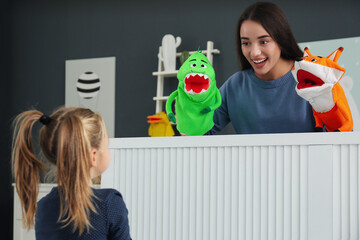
(336, 54)
(306, 52)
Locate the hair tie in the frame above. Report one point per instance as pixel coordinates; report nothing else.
(45, 119)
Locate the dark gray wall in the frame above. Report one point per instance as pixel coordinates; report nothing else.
(46, 33)
(6, 207)
(43, 34)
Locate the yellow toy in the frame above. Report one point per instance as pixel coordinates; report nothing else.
(160, 125)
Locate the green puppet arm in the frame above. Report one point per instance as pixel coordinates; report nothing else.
(168, 106)
(218, 103)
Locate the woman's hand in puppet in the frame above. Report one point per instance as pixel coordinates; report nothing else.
(321, 98)
(316, 77)
(317, 82)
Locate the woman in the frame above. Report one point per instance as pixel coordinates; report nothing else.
(262, 98)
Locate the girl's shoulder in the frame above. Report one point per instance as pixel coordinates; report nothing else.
(106, 193)
(110, 196)
(49, 199)
(110, 199)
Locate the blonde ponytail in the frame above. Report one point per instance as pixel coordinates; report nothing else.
(66, 140)
(73, 176)
(26, 165)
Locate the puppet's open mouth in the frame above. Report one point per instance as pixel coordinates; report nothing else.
(196, 83)
(307, 80)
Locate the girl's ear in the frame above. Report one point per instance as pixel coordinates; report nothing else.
(93, 158)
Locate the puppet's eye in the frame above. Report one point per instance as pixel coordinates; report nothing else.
(193, 65)
(203, 66)
(313, 60)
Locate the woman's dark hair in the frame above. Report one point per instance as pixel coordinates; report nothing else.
(273, 20)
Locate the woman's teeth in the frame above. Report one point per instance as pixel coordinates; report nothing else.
(260, 61)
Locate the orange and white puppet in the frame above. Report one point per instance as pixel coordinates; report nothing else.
(318, 82)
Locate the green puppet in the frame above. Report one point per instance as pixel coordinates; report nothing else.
(196, 96)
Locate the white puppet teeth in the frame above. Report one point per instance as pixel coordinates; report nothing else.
(194, 74)
(193, 93)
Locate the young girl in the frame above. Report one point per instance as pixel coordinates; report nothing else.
(262, 98)
(74, 140)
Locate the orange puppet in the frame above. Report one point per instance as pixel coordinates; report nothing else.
(318, 82)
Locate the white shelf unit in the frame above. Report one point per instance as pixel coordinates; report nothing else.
(161, 74)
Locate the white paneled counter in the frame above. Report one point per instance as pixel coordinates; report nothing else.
(271, 186)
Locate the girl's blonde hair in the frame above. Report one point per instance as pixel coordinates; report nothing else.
(66, 141)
